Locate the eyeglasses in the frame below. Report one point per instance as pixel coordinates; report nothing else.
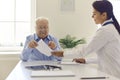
(51, 67)
(42, 27)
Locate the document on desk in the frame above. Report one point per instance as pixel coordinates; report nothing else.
(39, 63)
(69, 63)
(86, 78)
(60, 73)
(44, 48)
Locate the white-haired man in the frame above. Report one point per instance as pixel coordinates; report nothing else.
(30, 53)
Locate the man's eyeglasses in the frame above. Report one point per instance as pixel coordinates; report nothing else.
(51, 67)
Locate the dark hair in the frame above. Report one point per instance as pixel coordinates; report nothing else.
(106, 6)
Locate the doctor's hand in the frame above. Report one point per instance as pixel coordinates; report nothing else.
(79, 60)
(58, 53)
(32, 44)
(52, 44)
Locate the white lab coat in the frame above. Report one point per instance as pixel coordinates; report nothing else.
(106, 43)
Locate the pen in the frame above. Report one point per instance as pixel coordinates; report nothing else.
(94, 77)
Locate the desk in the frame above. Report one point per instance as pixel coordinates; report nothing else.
(22, 73)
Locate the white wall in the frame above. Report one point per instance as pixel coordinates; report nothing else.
(78, 23)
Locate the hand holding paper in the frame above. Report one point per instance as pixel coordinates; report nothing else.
(44, 48)
(52, 44)
(32, 44)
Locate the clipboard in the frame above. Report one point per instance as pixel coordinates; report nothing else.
(58, 73)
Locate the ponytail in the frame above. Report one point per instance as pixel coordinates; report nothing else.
(116, 24)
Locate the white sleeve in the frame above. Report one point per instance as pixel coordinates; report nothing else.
(91, 60)
(100, 39)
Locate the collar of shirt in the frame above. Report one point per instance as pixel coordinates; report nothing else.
(37, 38)
(107, 22)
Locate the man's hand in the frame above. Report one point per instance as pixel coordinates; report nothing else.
(80, 60)
(32, 44)
(52, 44)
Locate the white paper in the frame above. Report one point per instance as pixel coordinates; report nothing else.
(61, 73)
(69, 63)
(43, 48)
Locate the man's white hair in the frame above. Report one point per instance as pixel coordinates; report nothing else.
(42, 18)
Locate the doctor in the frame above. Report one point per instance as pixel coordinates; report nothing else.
(106, 41)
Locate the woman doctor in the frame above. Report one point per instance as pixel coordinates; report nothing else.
(106, 41)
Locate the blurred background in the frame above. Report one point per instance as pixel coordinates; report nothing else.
(17, 20)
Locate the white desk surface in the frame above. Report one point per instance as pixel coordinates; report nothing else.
(82, 70)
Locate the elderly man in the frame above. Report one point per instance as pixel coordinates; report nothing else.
(30, 53)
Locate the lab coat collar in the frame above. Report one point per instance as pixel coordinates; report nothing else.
(107, 21)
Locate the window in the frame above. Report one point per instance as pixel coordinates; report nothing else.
(15, 21)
